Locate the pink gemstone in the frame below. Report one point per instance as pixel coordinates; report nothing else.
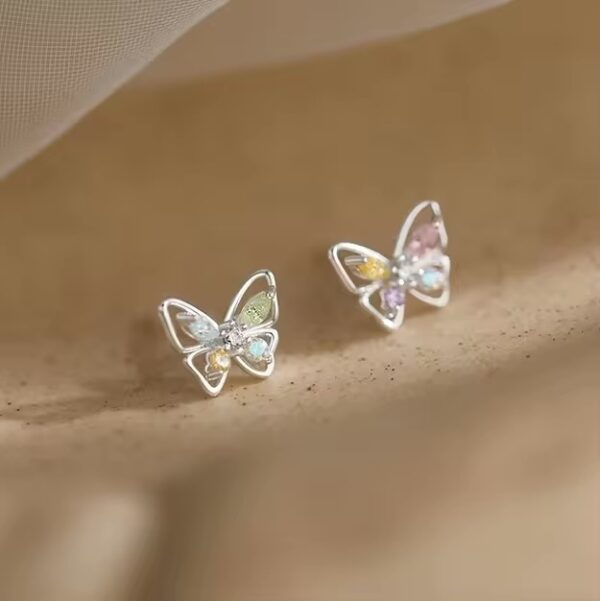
(423, 239)
(392, 297)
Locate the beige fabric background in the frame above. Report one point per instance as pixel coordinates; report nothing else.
(457, 459)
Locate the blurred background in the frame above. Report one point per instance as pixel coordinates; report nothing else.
(455, 459)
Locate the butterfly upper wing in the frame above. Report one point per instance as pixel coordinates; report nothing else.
(361, 269)
(408, 226)
(267, 341)
(187, 328)
(194, 334)
(261, 314)
(425, 245)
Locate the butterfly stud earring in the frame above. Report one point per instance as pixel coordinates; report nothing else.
(419, 267)
(246, 336)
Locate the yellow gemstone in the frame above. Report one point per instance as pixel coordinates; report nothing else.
(218, 360)
(372, 269)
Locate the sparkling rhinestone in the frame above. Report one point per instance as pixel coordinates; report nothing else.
(218, 360)
(392, 297)
(234, 336)
(256, 349)
(402, 270)
(197, 327)
(256, 310)
(425, 238)
(372, 269)
(432, 278)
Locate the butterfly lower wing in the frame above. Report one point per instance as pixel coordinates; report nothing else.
(258, 358)
(388, 316)
(433, 282)
(361, 269)
(212, 381)
(262, 309)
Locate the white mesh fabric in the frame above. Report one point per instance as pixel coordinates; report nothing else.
(58, 58)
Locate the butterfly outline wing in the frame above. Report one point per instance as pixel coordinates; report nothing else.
(410, 220)
(269, 277)
(264, 330)
(193, 351)
(212, 389)
(272, 338)
(389, 320)
(343, 271)
(442, 261)
(172, 329)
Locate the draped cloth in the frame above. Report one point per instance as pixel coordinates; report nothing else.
(60, 58)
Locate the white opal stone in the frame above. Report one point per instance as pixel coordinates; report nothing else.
(256, 349)
(432, 278)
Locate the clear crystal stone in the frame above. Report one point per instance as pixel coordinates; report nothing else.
(233, 336)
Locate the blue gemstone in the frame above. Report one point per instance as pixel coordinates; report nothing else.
(198, 327)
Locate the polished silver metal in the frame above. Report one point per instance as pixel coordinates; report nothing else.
(404, 273)
(201, 338)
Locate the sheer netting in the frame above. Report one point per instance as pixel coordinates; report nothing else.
(58, 58)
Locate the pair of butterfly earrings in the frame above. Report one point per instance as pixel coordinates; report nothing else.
(247, 336)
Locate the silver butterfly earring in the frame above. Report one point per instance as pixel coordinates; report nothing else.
(419, 267)
(246, 335)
